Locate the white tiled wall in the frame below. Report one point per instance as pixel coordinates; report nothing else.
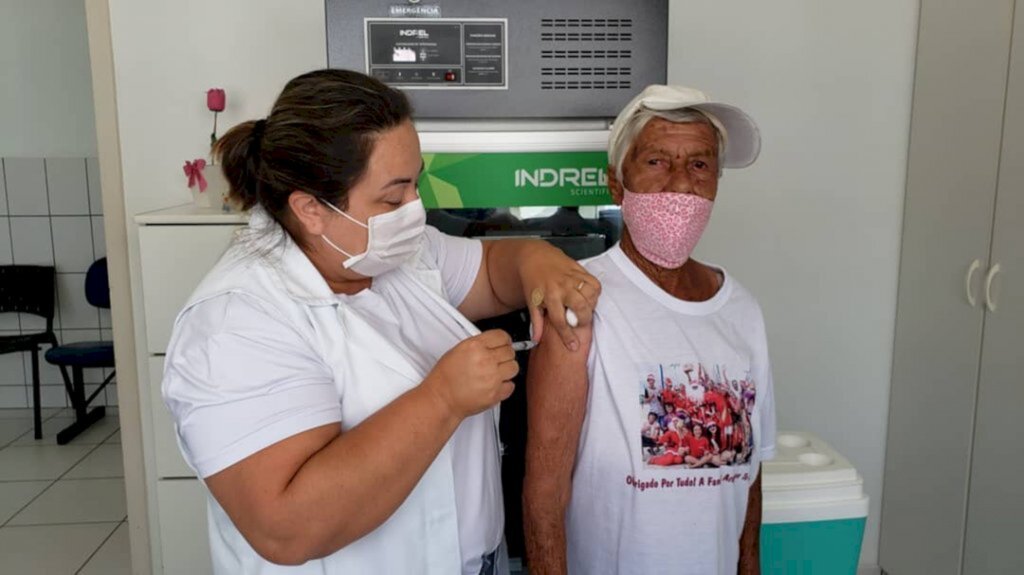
(51, 214)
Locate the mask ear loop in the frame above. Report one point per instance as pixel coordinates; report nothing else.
(335, 246)
(350, 218)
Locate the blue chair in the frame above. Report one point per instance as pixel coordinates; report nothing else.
(29, 290)
(83, 355)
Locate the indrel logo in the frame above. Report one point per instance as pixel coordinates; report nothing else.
(561, 177)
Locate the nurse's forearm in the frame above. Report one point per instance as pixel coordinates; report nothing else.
(314, 493)
(358, 481)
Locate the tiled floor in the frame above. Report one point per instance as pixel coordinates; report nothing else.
(62, 508)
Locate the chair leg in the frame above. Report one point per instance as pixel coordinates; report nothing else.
(36, 393)
(78, 398)
(83, 417)
(69, 387)
(99, 389)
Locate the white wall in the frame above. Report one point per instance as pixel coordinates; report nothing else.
(813, 228)
(49, 193)
(46, 100)
(167, 54)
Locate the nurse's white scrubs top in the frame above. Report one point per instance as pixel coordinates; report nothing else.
(264, 350)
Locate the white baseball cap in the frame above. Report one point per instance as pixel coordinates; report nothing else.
(740, 133)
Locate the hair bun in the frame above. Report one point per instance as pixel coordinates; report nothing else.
(258, 127)
(238, 153)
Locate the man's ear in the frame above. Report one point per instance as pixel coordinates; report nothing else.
(614, 186)
(310, 214)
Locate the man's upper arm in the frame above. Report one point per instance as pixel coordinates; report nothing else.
(556, 390)
(556, 394)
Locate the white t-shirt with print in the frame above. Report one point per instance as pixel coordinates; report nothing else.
(679, 505)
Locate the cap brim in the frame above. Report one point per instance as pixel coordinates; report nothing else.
(743, 143)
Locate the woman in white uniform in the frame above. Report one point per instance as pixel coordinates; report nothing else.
(325, 378)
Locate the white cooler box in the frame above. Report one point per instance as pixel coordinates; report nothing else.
(813, 511)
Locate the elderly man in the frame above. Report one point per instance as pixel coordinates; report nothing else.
(591, 503)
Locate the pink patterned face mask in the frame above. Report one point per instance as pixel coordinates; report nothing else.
(665, 226)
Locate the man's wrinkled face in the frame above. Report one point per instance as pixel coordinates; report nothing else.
(671, 157)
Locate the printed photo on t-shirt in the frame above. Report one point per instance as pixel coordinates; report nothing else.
(694, 416)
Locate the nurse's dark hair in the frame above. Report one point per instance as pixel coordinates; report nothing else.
(317, 139)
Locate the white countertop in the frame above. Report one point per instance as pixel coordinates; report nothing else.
(191, 214)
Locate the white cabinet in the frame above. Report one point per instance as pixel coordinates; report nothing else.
(183, 532)
(169, 461)
(177, 248)
(952, 500)
(995, 512)
(174, 259)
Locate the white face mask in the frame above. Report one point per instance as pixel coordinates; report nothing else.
(393, 238)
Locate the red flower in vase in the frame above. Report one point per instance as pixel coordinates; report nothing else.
(216, 101)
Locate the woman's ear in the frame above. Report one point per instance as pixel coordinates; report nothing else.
(310, 214)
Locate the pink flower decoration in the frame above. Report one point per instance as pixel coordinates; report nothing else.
(216, 100)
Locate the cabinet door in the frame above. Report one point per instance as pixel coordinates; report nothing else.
(183, 529)
(995, 515)
(174, 260)
(959, 88)
(169, 461)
